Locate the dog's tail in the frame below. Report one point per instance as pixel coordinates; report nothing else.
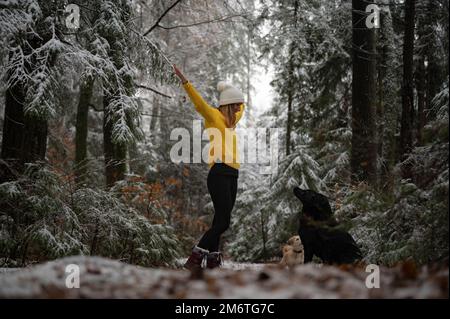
(352, 253)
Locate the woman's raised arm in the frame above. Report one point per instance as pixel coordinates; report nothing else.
(200, 105)
(180, 74)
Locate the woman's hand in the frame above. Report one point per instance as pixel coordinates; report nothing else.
(179, 74)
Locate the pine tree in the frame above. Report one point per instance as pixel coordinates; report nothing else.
(363, 158)
(86, 90)
(388, 99)
(31, 34)
(407, 120)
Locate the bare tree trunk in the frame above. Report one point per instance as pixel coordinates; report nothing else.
(155, 114)
(264, 236)
(13, 133)
(86, 88)
(420, 85)
(364, 149)
(380, 113)
(289, 123)
(406, 135)
(35, 139)
(24, 137)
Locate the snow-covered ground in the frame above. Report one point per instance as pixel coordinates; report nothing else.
(105, 278)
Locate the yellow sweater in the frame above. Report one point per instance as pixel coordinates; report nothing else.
(223, 141)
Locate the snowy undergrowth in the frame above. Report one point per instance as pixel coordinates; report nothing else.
(412, 221)
(43, 217)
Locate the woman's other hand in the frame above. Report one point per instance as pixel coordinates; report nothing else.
(179, 74)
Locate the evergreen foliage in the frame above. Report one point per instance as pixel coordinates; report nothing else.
(44, 217)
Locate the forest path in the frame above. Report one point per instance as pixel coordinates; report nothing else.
(105, 278)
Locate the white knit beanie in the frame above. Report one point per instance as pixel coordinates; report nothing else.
(229, 94)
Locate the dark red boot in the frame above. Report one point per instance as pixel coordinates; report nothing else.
(196, 258)
(214, 260)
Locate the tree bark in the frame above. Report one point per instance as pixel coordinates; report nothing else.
(86, 88)
(13, 134)
(289, 123)
(364, 149)
(420, 85)
(155, 115)
(24, 137)
(406, 135)
(380, 107)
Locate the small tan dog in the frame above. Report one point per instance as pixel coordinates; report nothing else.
(293, 253)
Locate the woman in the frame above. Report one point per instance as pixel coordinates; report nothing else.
(224, 165)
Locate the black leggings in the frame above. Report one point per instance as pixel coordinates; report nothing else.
(222, 186)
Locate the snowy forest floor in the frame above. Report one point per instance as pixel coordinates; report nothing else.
(105, 278)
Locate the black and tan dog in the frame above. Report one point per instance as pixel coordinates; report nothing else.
(319, 231)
